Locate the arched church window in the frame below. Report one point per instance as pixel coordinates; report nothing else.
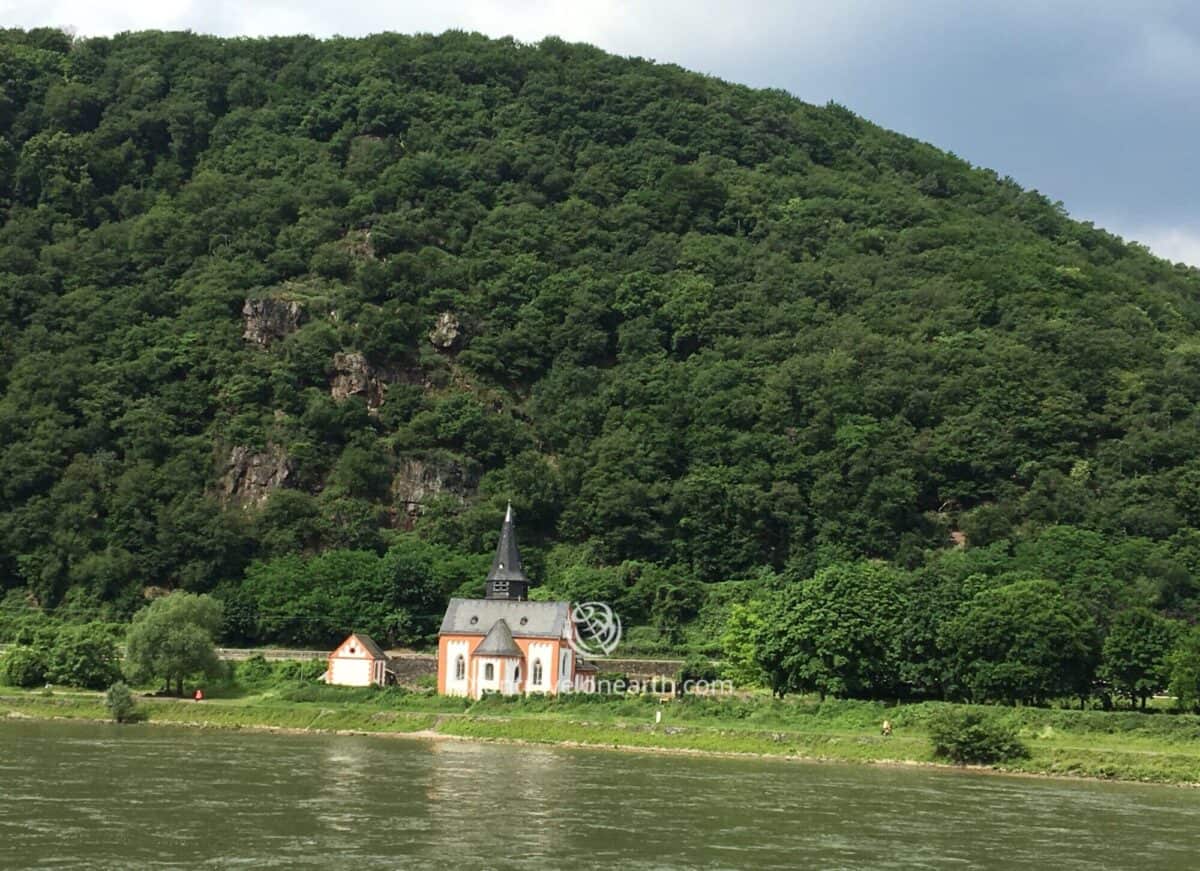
(460, 668)
(489, 672)
(537, 673)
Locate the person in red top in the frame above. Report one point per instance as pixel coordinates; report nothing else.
(199, 696)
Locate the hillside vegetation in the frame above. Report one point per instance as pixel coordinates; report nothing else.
(267, 299)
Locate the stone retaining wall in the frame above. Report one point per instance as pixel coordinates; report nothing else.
(409, 667)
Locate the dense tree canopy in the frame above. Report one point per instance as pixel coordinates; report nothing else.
(264, 303)
(172, 640)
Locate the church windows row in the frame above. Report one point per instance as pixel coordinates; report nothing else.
(489, 671)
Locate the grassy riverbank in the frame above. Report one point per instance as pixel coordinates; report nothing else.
(1160, 748)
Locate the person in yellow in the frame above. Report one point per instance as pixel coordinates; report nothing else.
(887, 728)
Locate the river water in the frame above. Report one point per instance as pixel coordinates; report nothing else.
(95, 796)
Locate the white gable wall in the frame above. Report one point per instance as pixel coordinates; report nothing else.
(351, 672)
(350, 665)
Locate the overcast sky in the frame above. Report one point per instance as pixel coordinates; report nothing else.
(1094, 103)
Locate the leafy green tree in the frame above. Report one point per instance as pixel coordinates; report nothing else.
(24, 667)
(85, 656)
(773, 635)
(739, 656)
(408, 580)
(1023, 643)
(172, 639)
(846, 635)
(1183, 669)
(1133, 659)
(119, 702)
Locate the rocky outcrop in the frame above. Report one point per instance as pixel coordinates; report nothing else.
(268, 320)
(445, 332)
(251, 476)
(418, 480)
(358, 244)
(354, 376)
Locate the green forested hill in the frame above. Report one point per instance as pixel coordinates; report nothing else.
(263, 299)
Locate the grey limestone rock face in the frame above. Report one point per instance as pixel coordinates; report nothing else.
(251, 476)
(418, 480)
(445, 332)
(354, 376)
(268, 320)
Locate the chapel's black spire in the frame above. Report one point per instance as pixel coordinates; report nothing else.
(507, 580)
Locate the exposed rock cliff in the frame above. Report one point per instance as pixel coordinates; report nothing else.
(267, 320)
(353, 375)
(250, 476)
(418, 480)
(445, 332)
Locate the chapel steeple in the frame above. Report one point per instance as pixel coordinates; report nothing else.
(507, 580)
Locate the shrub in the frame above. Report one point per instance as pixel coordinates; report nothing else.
(254, 672)
(84, 656)
(24, 667)
(697, 668)
(300, 669)
(973, 737)
(120, 704)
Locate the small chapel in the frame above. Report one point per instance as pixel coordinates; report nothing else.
(505, 643)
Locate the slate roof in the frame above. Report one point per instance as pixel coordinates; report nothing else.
(525, 619)
(506, 564)
(498, 642)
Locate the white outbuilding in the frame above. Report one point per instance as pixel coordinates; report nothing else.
(358, 662)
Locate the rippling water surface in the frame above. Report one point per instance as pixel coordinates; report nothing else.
(76, 795)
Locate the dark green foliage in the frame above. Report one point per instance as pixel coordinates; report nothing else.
(1134, 657)
(120, 704)
(1183, 669)
(256, 673)
(703, 333)
(85, 656)
(837, 633)
(1023, 642)
(969, 737)
(697, 668)
(24, 667)
(172, 639)
(316, 601)
(81, 655)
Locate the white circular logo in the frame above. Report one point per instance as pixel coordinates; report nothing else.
(597, 630)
